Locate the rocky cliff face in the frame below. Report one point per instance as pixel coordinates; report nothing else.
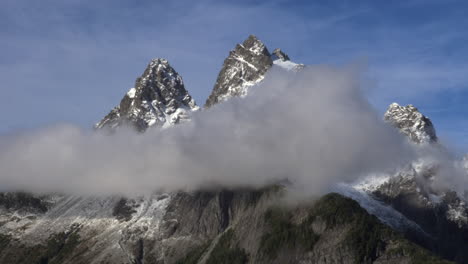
(159, 98)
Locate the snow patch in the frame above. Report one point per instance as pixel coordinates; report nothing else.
(371, 183)
(288, 65)
(257, 48)
(131, 93)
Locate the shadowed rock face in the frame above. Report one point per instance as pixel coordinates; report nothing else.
(245, 66)
(207, 227)
(158, 99)
(444, 220)
(23, 202)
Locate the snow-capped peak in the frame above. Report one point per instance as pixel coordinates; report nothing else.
(159, 98)
(245, 66)
(254, 45)
(412, 123)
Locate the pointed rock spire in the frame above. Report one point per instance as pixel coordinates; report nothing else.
(159, 98)
(245, 66)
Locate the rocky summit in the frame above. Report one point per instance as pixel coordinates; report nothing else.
(245, 66)
(412, 123)
(159, 98)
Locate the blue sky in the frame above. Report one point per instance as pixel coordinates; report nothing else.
(72, 61)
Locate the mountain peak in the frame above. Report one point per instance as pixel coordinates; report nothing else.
(411, 122)
(245, 66)
(159, 98)
(254, 45)
(278, 54)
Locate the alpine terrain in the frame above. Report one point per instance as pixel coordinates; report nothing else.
(159, 99)
(381, 219)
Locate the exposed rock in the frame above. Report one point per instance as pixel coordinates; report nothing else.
(158, 99)
(23, 202)
(412, 123)
(210, 227)
(411, 191)
(245, 66)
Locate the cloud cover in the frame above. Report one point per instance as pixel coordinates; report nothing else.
(314, 128)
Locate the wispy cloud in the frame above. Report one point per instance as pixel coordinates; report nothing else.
(314, 128)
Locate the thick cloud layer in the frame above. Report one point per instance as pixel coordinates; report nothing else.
(314, 128)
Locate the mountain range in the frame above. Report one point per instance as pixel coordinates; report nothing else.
(387, 219)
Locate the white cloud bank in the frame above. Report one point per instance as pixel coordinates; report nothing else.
(314, 128)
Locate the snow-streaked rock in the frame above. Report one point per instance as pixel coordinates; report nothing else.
(414, 183)
(245, 66)
(281, 59)
(371, 182)
(288, 65)
(159, 98)
(411, 122)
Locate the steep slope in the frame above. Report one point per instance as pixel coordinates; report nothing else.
(442, 214)
(159, 98)
(282, 60)
(412, 123)
(228, 226)
(246, 66)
